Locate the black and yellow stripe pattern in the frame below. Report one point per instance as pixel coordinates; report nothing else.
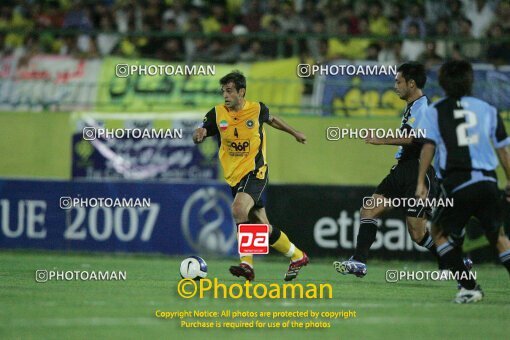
(242, 141)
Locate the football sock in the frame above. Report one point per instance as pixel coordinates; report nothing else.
(366, 236)
(279, 241)
(246, 258)
(452, 258)
(504, 257)
(428, 243)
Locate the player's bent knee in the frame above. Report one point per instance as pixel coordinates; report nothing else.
(416, 235)
(503, 242)
(417, 231)
(437, 233)
(258, 215)
(239, 212)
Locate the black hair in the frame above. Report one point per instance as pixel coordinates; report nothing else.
(235, 77)
(377, 3)
(318, 18)
(456, 78)
(415, 71)
(466, 20)
(375, 45)
(344, 22)
(414, 24)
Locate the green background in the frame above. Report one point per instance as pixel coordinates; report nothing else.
(125, 309)
(38, 145)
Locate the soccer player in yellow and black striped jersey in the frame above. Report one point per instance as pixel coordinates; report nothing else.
(239, 125)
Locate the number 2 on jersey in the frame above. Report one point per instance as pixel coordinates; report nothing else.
(462, 134)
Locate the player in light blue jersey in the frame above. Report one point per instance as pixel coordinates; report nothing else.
(400, 183)
(463, 131)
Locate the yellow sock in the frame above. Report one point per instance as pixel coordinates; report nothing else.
(245, 258)
(287, 248)
(248, 259)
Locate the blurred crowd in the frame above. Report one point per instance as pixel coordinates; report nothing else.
(178, 30)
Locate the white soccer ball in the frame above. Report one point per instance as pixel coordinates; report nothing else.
(193, 267)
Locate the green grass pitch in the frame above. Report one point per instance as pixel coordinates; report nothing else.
(125, 309)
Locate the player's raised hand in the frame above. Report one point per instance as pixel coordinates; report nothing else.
(421, 190)
(199, 134)
(300, 137)
(372, 139)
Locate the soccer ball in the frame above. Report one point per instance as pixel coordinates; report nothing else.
(193, 267)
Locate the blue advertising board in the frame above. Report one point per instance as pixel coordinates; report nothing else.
(178, 219)
(141, 146)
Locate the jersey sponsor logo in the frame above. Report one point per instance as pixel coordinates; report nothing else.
(223, 125)
(253, 239)
(238, 147)
(250, 124)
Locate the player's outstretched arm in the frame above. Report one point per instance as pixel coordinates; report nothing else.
(373, 139)
(199, 135)
(388, 141)
(279, 124)
(504, 159)
(427, 153)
